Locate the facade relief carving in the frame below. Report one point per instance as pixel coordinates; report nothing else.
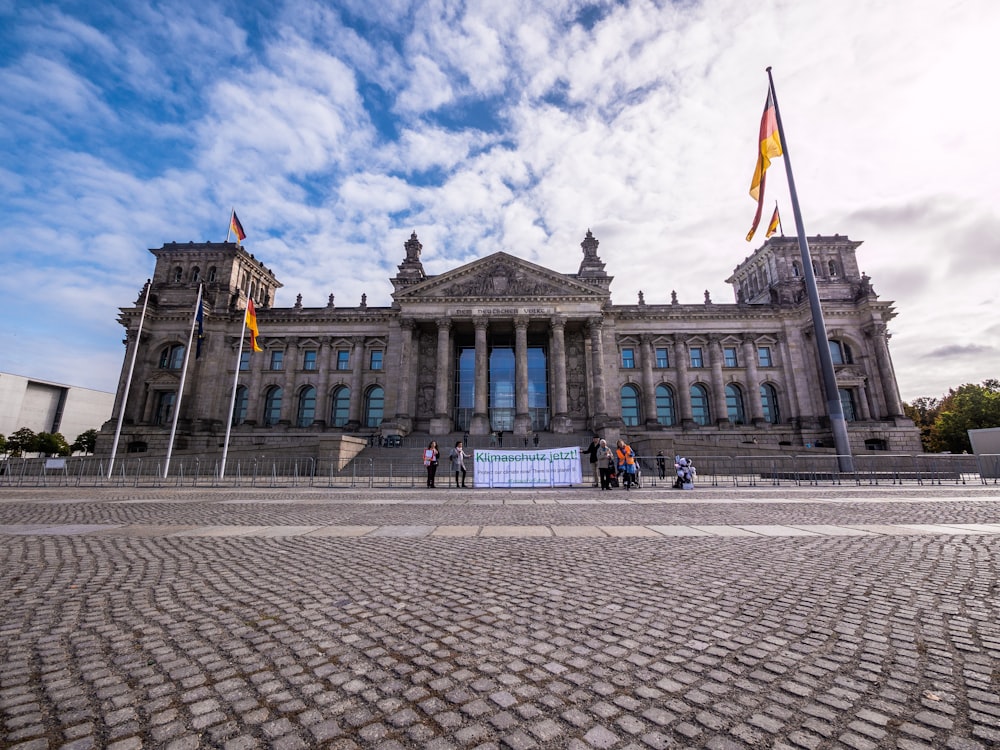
(502, 280)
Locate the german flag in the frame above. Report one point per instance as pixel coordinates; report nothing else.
(236, 228)
(774, 224)
(252, 325)
(769, 147)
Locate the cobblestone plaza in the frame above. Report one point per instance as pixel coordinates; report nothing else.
(805, 617)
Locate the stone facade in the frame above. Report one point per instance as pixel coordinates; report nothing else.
(505, 344)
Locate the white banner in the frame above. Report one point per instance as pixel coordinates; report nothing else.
(550, 467)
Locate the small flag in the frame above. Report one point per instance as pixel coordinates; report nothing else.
(236, 228)
(769, 147)
(775, 223)
(252, 324)
(200, 317)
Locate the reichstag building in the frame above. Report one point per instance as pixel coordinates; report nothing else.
(501, 344)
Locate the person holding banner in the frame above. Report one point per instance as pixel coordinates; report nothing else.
(431, 455)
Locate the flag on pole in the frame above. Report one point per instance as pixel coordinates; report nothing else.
(236, 228)
(200, 317)
(775, 223)
(768, 147)
(252, 325)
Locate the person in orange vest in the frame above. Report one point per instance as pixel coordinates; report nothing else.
(626, 463)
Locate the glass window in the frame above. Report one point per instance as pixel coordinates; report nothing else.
(795, 268)
(847, 403)
(165, 407)
(212, 274)
(343, 359)
(628, 359)
(309, 360)
(734, 404)
(769, 403)
(664, 405)
(538, 390)
(662, 360)
(465, 387)
(277, 360)
(240, 406)
(244, 361)
(696, 360)
(341, 406)
(833, 267)
(630, 406)
(172, 357)
(764, 356)
(729, 356)
(840, 353)
(699, 405)
(272, 406)
(178, 273)
(375, 362)
(195, 274)
(306, 412)
(373, 407)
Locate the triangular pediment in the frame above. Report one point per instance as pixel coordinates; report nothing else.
(500, 276)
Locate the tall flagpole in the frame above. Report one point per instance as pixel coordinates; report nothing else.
(232, 400)
(834, 407)
(229, 231)
(128, 379)
(180, 389)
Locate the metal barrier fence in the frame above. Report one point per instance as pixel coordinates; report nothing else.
(713, 471)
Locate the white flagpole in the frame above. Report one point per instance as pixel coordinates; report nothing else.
(229, 230)
(180, 389)
(128, 380)
(232, 400)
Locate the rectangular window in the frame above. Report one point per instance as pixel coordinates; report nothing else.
(628, 359)
(343, 359)
(309, 360)
(244, 361)
(696, 360)
(729, 356)
(375, 362)
(277, 360)
(764, 356)
(662, 360)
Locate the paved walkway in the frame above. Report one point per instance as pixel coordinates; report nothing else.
(807, 617)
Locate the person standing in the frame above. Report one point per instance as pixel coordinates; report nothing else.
(605, 464)
(431, 455)
(626, 463)
(457, 457)
(661, 464)
(591, 450)
(500, 438)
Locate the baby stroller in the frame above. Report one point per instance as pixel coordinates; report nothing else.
(685, 473)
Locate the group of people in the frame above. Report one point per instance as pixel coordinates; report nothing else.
(612, 466)
(457, 457)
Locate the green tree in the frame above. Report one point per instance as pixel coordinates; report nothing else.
(85, 441)
(22, 441)
(969, 407)
(923, 411)
(3, 444)
(52, 444)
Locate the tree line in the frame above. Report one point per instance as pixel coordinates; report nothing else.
(945, 422)
(26, 440)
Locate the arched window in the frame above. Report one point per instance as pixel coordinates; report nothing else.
(795, 269)
(816, 268)
(769, 403)
(374, 402)
(340, 405)
(272, 406)
(165, 401)
(840, 352)
(734, 404)
(630, 405)
(306, 413)
(664, 405)
(212, 274)
(195, 274)
(240, 405)
(847, 402)
(699, 405)
(178, 273)
(832, 265)
(172, 357)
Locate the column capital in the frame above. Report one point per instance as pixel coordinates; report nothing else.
(481, 323)
(521, 321)
(646, 339)
(407, 323)
(444, 323)
(558, 321)
(595, 322)
(358, 340)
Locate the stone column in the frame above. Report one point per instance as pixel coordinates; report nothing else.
(863, 413)
(404, 419)
(441, 424)
(560, 400)
(323, 405)
(683, 386)
(357, 397)
(600, 415)
(648, 389)
(718, 384)
(886, 373)
(753, 381)
(480, 416)
(522, 419)
(289, 385)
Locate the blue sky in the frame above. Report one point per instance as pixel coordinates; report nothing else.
(337, 128)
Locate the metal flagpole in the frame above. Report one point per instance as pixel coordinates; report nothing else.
(128, 380)
(834, 407)
(180, 389)
(229, 231)
(232, 400)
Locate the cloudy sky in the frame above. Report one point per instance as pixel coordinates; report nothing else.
(337, 128)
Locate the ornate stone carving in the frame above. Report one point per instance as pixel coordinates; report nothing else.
(502, 280)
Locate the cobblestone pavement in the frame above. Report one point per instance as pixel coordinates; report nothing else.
(732, 618)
